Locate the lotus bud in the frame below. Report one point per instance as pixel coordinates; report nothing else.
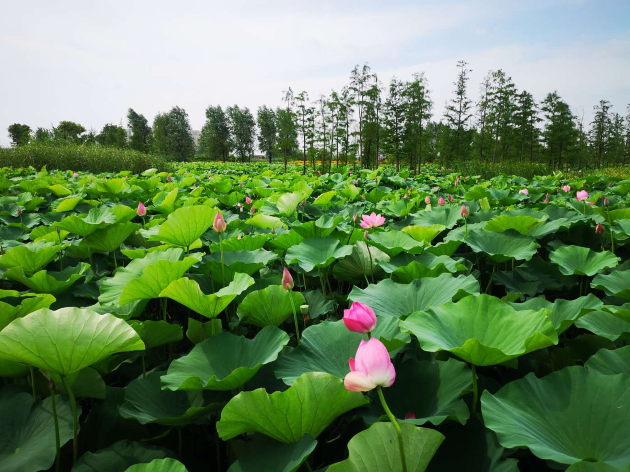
(441, 201)
(599, 229)
(239, 237)
(287, 280)
(75, 175)
(465, 212)
(168, 177)
(19, 211)
(366, 235)
(240, 184)
(248, 200)
(405, 196)
(252, 210)
(141, 209)
(370, 368)
(359, 318)
(363, 197)
(354, 218)
(606, 201)
(427, 200)
(451, 199)
(58, 230)
(410, 415)
(219, 223)
(355, 182)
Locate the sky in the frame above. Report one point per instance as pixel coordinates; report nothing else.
(89, 61)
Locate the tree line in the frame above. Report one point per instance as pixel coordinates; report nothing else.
(366, 122)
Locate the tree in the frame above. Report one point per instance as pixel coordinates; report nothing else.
(372, 122)
(112, 136)
(358, 84)
(502, 107)
(526, 120)
(483, 109)
(215, 141)
(303, 111)
(267, 131)
(20, 134)
(42, 135)
(600, 129)
(418, 108)
(560, 133)
(243, 128)
(140, 139)
(287, 133)
(458, 112)
(395, 111)
(172, 135)
(68, 131)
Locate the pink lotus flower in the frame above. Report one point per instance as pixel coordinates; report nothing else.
(566, 188)
(219, 223)
(581, 195)
(287, 280)
(372, 221)
(371, 367)
(465, 212)
(359, 318)
(427, 200)
(75, 175)
(441, 201)
(248, 200)
(142, 210)
(524, 191)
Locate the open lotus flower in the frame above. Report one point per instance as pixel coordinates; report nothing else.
(372, 221)
(219, 223)
(359, 318)
(370, 368)
(287, 280)
(441, 201)
(75, 175)
(142, 210)
(566, 188)
(524, 191)
(582, 196)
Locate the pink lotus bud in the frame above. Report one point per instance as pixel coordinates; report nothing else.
(219, 223)
(287, 280)
(319, 172)
(410, 416)
(58, 230)
(355, 182)
(372, 221)
(248, 200)
(303, 202)
(354, 218)
(606, 201)
(566, 188)
(465, 212)
(168, 177)
(349, 174)
(581, 195)
(366, 235)
(75, 175)
(239, 237)
(141, 211)
(54, 175)
(427, 200)
(19, 211)
(363, 197)
(405, 196)
(359, 318)
(240, 184)
(441, 201)
(456, 183)
(451, 199)
(370, 368)
(252, 210)
(273, 230)
(524, 191)
(599, 229)
(546, 200)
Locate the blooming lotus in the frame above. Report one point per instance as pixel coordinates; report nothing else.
(582, 196)
(219, 223)
(372, 221)
(359, 318)
(524, 191)
(566, 188)
(75, 175)
(370, 368)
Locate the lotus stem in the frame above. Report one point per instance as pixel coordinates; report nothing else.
(494, 266)
(612, 237)
(222, 262)
(392, 418)
(295, 320)
(33, 383)
(75, 419)
(475, 388)
(56, 421)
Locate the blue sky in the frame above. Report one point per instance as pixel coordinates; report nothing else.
(90, 61)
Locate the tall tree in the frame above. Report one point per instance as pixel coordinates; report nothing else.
(483, 110)
(359, 79)
(526, 120)
(243, 128)
(43, 135)
(560, 131)
(395, 111)
(302, 113)
(172, 135)
(138, 125)
(600, 129)
(68, 131)
(418, 108)
(214, 140)
(267, 131)
(501, 116)
(20, 134)
(458, 112)
(372, 125)
(112, 136)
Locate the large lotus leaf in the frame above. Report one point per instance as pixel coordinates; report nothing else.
(563, 313)
(481, 330)
(568, 416)
(245, 262)
(395, 242)
(313, 402)
(157, 333)
(522, 223)
(246, 243)
(185, 225)
(518, 281)
(327, 346)
(66, 340)
(27, 436)
(388, 298)
(424, 233)
(278, 457)
(146, 402)
(447, 216)
(111, 187)
(119, 457)
(587, 466)
(159, 465)
(84, 225)
(288, 202)
(225, 361)
(30, 257)
(265, 222)
(188, 293)
(270, 306)
(616, 284)
(86, 383)
(110, 238)
(317, 252)
(362, 262)
(376, 449)
(610, 362)
(155, 278)
(30, 302)
(112, 287)
(576, 260)
(48, 282)
(424, 265)
(609, 322)
(432, 391)
(502, 247)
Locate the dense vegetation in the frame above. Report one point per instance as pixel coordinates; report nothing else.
(367, 123)
(192, 321)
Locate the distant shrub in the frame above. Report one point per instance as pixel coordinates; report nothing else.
(78, 157)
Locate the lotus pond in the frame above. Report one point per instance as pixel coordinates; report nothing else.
(226, 317)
